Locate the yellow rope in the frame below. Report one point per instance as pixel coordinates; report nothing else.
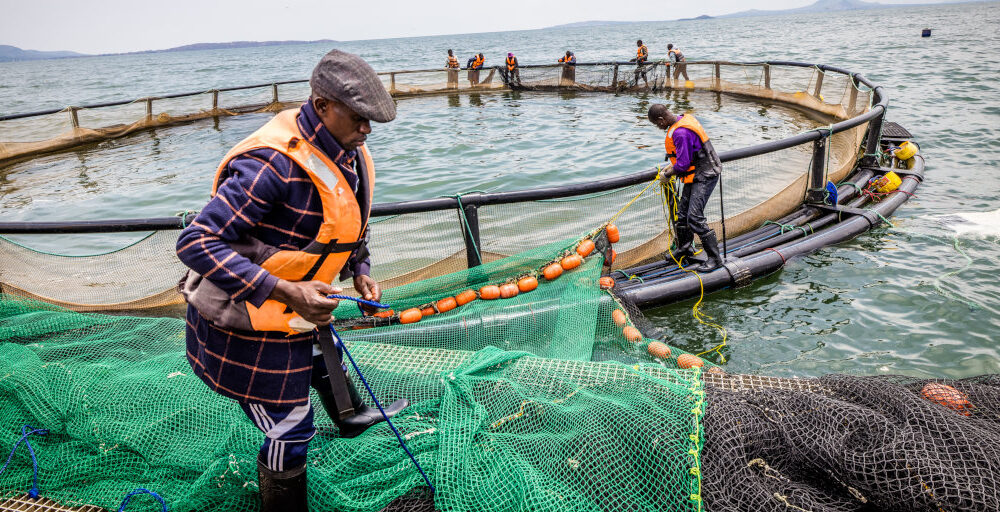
(670, 203)
(637, 196)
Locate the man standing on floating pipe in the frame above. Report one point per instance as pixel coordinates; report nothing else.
(289, 211)
(694, 162)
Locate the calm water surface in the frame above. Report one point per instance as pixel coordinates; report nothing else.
(870, 306)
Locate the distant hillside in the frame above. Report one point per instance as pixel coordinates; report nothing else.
(818, 6)
(233, 44)
(10, 53)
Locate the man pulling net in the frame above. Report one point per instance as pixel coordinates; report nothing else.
(693, 162)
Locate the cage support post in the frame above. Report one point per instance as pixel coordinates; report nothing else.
(819, 83)
(274, 93)
(614, 78)
(149, 109)
(215, 100)
(392, 82)
(874, 135)
(472, 253)
(718, 77)
(74, 119)
(767, 76)
(817, 173)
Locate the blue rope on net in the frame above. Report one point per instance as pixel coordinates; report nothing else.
(399, 437)
(25, 432)
(128, 497)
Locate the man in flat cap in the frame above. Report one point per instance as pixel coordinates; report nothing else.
(288, 213)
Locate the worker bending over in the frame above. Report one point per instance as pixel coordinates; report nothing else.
(694, 162)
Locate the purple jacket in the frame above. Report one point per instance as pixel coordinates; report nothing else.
(687, 144)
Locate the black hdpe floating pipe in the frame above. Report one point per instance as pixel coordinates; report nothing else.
(771, 259)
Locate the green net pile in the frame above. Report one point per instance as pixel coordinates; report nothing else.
(516, 404)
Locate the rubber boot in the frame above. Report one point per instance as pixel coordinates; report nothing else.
(363, 417)
(711, 245)
(683, 245)
(282, 491)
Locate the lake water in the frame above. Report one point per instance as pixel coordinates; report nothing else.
(900, 299)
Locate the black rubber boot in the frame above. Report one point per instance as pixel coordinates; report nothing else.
(282, 491)
(711, 246)
(364, 416)
(683, 245)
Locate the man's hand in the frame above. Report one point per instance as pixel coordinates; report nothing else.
(308, 299)
(369, 290)
(666, 173)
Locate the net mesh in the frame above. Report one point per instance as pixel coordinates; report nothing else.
(515, 403)
(142, 274)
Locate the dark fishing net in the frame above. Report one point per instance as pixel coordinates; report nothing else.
(843, 443)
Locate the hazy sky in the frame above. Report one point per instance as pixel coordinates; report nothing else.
(107, 26)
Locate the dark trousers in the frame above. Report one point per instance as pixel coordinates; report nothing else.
(287, 430)
(694, 197)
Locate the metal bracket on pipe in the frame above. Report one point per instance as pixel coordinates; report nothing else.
(739, 272)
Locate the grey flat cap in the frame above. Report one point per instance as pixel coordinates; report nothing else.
(347, 78)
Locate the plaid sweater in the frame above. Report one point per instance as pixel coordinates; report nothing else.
(266, 195)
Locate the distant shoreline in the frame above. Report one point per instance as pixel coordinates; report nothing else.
(15, 54)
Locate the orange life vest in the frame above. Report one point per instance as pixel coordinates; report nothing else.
(565, 58)
(677, 53)
(478, 62)
(641, 53)
(686, 121)
(511, 63)
(453, 61)
(342, 227)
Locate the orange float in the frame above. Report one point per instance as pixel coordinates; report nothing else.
(449, 303)
(632, 334)
(613, 256)
(658, 350)
(526, 284)
(552, 271)
(508, 290)
(585, 248)
(947, 396)
(689, 361)
(572, 261)
(489, 292)
(410, 316)
(619, 317)
(428, 311)
(612, 232)
(607, 282)
(384, 314)
(465, 297)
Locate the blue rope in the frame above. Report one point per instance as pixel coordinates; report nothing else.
(33, 493)
(359, 301)
(140, 490)
(379, 405)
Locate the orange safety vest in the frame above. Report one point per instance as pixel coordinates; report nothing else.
(565, 58)
(478, 62)
(342, 227)
(686, 121)
(511, 63)
(680, 56)
(453, 61)
(641, 53)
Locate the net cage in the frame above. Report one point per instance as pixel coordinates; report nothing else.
(561, 397)
(143, 274)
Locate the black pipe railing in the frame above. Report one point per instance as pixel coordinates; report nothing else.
(468, 204)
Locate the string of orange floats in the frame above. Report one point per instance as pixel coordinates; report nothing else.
(510, 289)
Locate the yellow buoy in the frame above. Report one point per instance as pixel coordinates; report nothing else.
(906, 151)
(888, 183)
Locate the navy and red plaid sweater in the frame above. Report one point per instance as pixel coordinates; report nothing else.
(267, 196)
